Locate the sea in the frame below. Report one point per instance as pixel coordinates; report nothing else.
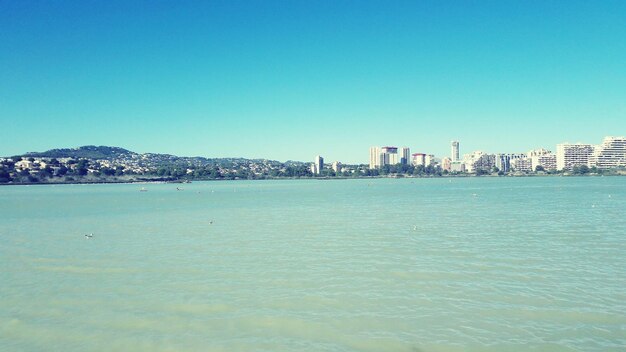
(409, 264)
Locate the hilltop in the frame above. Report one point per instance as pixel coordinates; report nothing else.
(85, 152)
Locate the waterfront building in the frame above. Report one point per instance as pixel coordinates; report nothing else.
(446, 164)
(390, 155)
(569, 155)
(375, 158)
(430, 160)
(547, 161)
(542, 157)
(610, 154)
(418, 159)
(503, 162)
(479, 161)
(455, 151)
(457, 166)
(336, 166)
(318, 165)
(405, 154)
(380, 156)
(521, 164)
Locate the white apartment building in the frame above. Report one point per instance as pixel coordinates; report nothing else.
(479, 161)
(610, 154)
(542, 157)
(570, 155)
(375, 158)
(430, 160)
(390, 155)
(380, 156)
(521, 164)
(446, 164)
(336, 166)
(455, 150)
(418, 159)
(457, 166)
(547, 161)
(317, 166)
(503, 162)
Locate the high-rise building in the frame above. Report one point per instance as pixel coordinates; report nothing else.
(318, 165)
(390, 155)
(405, 155)
(611, 153)
(380, 156)
(570, 155)
(455, 151)
(336, 166)
(375, 158)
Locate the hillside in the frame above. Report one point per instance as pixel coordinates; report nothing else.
(85, 152)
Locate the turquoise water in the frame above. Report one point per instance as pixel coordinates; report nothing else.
(492, 264)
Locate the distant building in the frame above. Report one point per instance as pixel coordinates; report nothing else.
(380, 156)
(375, 158)
(479, 161)
(457, 166)
(23, 165)
(542, 157)
(547, 161)
(455, 151)
(405, 154)
(505, 162)
(570, 155)
(318, 165)
(521, 164)
(418, 159)
(446, 164)
(610, 154)
(429, 160)
(390, 155)
(336, 166)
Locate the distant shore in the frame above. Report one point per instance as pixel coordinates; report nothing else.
(182, 181)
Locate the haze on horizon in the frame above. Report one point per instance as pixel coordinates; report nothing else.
(291, 80)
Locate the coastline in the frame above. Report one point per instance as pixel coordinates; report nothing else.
(179, 181)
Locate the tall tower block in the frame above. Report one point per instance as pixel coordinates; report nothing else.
(455, 151)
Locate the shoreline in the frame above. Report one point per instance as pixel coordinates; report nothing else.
(104, 182)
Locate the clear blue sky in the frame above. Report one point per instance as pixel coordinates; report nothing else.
(293, 79)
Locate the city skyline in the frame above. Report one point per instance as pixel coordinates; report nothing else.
(288, 81)
(403, 152)
(610, 153)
